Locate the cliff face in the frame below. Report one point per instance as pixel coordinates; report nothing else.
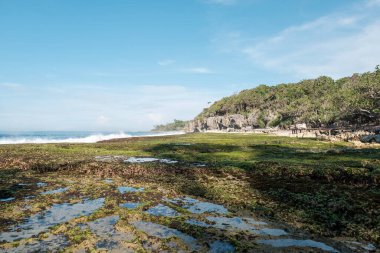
(234, 122)
(317, 103)
(219, 123)
(227, 123)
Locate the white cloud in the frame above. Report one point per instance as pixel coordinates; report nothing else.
(166, 62)
(337, 45)
(114, 108)
(198, 70)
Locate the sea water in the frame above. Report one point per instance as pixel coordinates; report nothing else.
(70, 136)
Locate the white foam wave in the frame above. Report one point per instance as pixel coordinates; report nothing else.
(88, 139)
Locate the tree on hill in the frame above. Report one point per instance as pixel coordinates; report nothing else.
(320, 102)
(176, 125)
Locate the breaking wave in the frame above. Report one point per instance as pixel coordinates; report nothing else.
(66, 138)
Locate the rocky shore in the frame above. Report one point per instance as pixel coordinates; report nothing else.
(242, 124)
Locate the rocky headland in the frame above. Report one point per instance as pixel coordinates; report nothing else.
(346, 109)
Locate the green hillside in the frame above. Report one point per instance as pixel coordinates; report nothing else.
(320, 102)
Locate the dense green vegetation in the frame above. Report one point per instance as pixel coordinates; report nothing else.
(176, 125)
(318, 102)
(328, 189)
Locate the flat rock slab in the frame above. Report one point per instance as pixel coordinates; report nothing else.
(57, 214)
(148, 160)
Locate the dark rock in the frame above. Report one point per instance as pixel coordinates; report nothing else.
(374, 138)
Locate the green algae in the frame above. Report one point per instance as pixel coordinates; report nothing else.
(328, 189)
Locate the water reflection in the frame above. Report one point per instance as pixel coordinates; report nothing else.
(57, 214)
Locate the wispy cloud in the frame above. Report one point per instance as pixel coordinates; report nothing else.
(102, 120)
(166, 62)
(102, 74)
(156, 117)
(371, 3)
(338, 44)
(161, 89)
(114, 108)
(221, 2)
(11, 86)
(197, 70)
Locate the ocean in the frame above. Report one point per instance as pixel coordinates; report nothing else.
(70, 136)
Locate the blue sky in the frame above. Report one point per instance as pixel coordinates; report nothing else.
(128, 65)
